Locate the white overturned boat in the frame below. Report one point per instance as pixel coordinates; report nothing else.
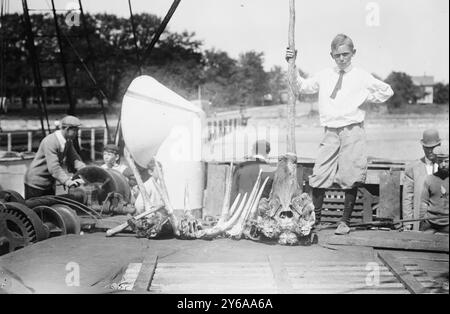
(158, 122)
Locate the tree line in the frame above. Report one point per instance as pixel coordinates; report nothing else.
(178, 61)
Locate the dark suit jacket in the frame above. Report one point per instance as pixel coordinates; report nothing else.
(245, 176)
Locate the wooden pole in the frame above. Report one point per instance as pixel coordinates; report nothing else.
(292, 95)
(9, 142)
(30, 141)
(93, 144)
(285, 184)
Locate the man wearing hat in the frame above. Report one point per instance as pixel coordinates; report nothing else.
(415, 174)
(55, 151)
(247, 172)
(434, 200)
(111, 157)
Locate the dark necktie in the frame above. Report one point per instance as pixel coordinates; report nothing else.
(338, 84)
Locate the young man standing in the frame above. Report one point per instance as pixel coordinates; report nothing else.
(55, 151)
(434, 200)
(342, 159)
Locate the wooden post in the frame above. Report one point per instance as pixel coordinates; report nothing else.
(215, 195)
(79, 138)
(292, 95)
(93, 144)
(30, 142)
(209, 131)
(105, 136)
(367, 205)
(390, 202)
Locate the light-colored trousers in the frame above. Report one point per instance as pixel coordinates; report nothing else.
(342, 158)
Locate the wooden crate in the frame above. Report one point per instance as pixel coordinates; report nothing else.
(333, 206)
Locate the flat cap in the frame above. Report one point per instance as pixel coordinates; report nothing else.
(70, 121)
(441, 152)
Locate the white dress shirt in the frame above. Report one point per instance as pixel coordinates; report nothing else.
(117, 167)
(430, 166)
(358, 87)
(62, 141)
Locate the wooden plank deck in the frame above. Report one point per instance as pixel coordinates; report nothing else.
(273, 276)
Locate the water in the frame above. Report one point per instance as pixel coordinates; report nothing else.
(385, 140)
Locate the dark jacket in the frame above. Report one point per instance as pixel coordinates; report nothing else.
(435, 199)
(47, 165)
(245, 176)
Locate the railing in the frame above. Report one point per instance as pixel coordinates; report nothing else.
(221, 126)
(90, 140)
(17, 141)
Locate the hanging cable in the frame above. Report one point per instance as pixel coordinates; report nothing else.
(90, 75)
(35, 68)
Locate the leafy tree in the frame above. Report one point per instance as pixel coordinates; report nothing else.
(177, 60)
(219, 72)
(440, 94)
(252, 79)
(16, 70)
(405, 92)
(277, 83)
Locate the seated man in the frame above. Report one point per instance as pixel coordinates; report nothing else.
(415, 174)
(435, 195)
(247, 172)
(111, 157)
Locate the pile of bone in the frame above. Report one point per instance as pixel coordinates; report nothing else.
(249, 217)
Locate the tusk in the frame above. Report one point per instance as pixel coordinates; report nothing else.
(238, 227)
(258, 198)
(218, 229)
(226, 201)
(250, 213)
(231, 210)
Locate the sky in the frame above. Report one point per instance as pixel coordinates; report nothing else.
(410, 36)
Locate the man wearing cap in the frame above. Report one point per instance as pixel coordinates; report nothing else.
(415, 174)
(55, 151)
(434, 199)
(111, 157)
